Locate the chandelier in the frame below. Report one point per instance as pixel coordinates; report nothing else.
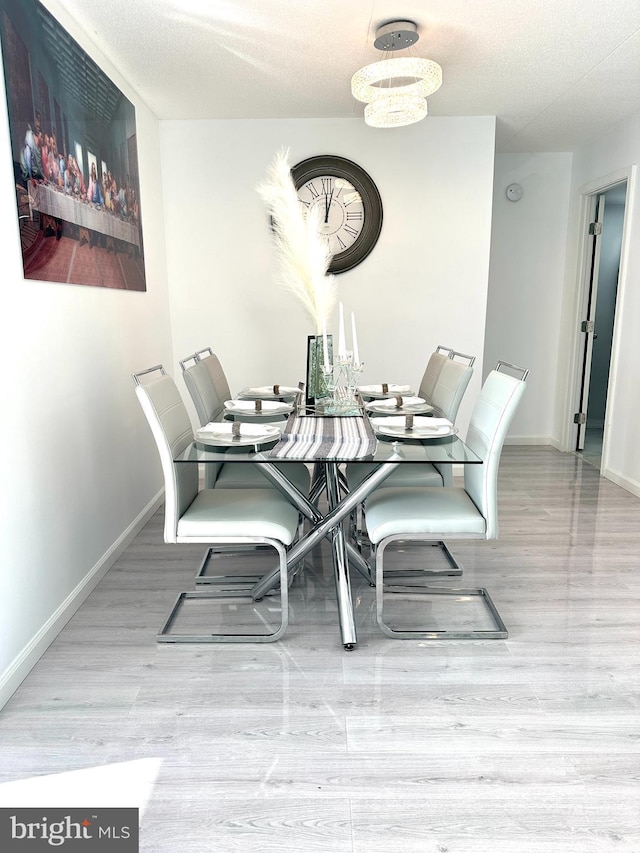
(395, 89)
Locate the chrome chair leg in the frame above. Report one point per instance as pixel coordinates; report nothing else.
(451, 570)
(166, 634)
(242, 581)
(498, 631)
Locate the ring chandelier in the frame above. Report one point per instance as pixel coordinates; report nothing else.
(395, 89)
(395, 111)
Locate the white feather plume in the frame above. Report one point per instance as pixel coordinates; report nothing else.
(303, 255)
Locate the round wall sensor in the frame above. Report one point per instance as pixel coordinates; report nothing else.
(514, 192)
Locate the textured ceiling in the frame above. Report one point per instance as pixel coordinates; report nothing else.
(554, 72)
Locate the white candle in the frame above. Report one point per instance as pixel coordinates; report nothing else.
(325, 348)
(342, 347)
(356, 354)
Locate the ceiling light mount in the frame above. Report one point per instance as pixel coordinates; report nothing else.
(397, 35)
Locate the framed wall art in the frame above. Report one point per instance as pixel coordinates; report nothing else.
(75, 156)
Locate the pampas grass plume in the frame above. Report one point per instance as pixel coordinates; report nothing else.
(303, 256)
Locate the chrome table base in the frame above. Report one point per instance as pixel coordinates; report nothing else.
(329, 525)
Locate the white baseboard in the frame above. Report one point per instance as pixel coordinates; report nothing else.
(627, 483)
(24, 662)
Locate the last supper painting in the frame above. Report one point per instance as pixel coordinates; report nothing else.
(75, 157)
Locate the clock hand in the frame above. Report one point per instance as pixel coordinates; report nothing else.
(327, 205)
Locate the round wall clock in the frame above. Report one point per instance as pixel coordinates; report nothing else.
(349, 205)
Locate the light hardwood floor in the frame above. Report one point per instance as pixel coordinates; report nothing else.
(525, 745)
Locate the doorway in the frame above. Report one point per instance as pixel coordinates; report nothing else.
(604, 248)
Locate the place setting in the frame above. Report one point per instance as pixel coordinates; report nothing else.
(257, 409)
(384, 390)
(410, 427)
(399, 405)
(230, 434)
(280, 393)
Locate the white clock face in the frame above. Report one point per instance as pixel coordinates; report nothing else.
(339, 208)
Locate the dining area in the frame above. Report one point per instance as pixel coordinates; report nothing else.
(358, 466)
(295, 646)
(300, 589)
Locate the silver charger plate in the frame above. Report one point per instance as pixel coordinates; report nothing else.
(220, 435)
(274, 407)
(415, 409)
(396, 428)
(265, 392)
(376, 392)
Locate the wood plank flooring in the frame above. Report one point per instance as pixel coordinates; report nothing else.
(525, 745)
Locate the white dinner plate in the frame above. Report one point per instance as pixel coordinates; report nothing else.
(248, 407)
(422, 427)
(377, 392)
(410, 406)
(221, 435)
(265, 392)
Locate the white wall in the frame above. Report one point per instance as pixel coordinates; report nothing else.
(596, 164)
(424, 284)
(526, 276)
(78, 468)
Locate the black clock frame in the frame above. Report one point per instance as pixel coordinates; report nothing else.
(339, 167)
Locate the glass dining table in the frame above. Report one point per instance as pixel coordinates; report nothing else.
(326, 443)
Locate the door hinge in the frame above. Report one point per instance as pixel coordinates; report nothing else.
(587, 326)
(580, 418)
(595, 229)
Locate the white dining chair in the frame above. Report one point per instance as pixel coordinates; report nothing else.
(436, 361)
(209, 407)
(448, 378)
(221, 517)
(219, 379)
(403, 514)
(208, 403)
(443, 386)
(198, 375)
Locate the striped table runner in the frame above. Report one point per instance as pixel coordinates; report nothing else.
(325, 438)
